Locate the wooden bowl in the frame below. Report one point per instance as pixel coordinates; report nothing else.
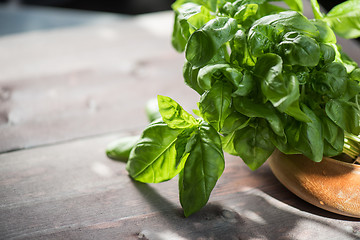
(331, 184)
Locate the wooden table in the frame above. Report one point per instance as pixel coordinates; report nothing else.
(66, 93)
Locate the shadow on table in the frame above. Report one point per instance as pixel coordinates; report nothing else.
(253, 215)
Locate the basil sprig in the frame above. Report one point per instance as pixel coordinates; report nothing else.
(267, 77)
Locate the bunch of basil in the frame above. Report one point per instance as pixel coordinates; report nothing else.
(268, 78)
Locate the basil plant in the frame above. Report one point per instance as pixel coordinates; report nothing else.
(267, 78)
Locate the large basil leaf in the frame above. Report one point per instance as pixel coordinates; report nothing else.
(326, 34)
(240, 50)
(345, 19)
(153, 158)
(307, 137)
(188, 17)
(210, 73)
(206, 41)
(334, 137)
(262, 38)
(281, 90)
(174, 115)
(331, 80)
(298, 49)
(289, 21)
(344, 114)
(190, 75)
(267, 111)
(215, 104)
(253, 145)
(202, 169)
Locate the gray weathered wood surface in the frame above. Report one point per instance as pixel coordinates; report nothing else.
(65, 94)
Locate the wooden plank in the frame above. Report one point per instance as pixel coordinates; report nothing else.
(73, 191)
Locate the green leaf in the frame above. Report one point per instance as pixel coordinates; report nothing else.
(120, 149)
(190, 75)
(189, 16)
(215, 104)
(202, 169)
(174, 115)
(245, 11)
(153, 158)
(266, 111)
(206, 41)
(210, 73)
(344, 19)
(326, 34)
(246, 85)
(330, 80)
(240, 52)
(281, 90)
(253, 145)
(288, 21)
(344, 114)
(234, 122)
(334, 137)
(307, 137)
(298, 49)
(327, 53)
(262, 39)
(295, 5)
(316, 9)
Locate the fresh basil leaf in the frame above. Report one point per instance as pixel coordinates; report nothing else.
(330, 80)
(307, 137)
(153, 158)
(245, 11)
(240, 50)
(344, 19)
(215, 104)
(182, 145)
(253, 145)
(281, 90)
(202, 169)
(298, 49)
(344, 114)
(326, 34)
(189, 16)
(295, 5)
(228, 143)
(262, 39)
(249, 108)
(288, 21)
(327, 53)
(334, 137)
(120, 149)
(174, 115)
(190, 75)
(180, 33)
(316, 9)
(245, 86)
(205, 42)
(234, 122)
(210, 73)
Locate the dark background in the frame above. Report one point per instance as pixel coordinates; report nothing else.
(124, 6)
